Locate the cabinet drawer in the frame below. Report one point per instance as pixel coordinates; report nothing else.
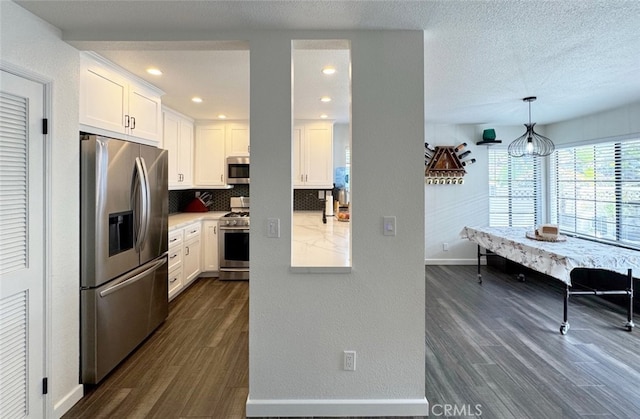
(175, 282)
(175, 257)
(191, 231)
(175, 238)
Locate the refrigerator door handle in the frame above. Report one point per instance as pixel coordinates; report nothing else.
(146, 215)
(133, 277)
(140, 201)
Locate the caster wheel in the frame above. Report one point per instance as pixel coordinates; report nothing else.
(564, 329)
(629, 328)
(521, 277)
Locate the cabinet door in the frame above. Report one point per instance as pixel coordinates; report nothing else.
(210, 155)
(103, 97)
(191, 261)
(319, 156)
(145, 112)
(185, 154)
(210, 247)
(298, 157)
(238, 139)
(171, 143)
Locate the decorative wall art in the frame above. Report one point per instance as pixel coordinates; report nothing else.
(445, 165)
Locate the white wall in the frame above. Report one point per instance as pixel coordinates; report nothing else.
(300, 324)
(448, 208)
(31, 44)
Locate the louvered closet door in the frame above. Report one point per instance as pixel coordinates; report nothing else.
(22, 320)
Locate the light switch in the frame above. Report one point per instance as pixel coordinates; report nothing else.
(389, 225)
(273, 227)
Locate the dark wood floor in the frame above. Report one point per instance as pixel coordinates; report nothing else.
(497, 345)
(492, 351)
(194, 365)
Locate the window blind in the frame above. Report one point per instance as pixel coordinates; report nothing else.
(514, 190)
(595, 191)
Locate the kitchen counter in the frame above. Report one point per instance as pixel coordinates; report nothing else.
(316, 244)
(182, 219)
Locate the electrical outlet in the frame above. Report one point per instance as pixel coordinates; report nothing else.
(445, 246)
(349, 360)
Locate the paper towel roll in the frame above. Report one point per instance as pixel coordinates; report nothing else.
(328, 205)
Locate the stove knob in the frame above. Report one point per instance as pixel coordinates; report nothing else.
(234, 222)
(246, 223)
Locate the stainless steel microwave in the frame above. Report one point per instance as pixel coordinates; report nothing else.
(237, 170)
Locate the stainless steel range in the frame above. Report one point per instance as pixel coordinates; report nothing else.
(233, 245)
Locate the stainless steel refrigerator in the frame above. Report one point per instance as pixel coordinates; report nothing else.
(123, 253)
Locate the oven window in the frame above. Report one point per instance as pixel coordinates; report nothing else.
(236, 246)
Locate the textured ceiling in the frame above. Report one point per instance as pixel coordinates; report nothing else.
(481, 57)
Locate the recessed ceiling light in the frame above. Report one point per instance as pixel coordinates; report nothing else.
(196, 99)
(222, 116)
(324, 116)
(154, 71)
(328, 70)
(325, 99)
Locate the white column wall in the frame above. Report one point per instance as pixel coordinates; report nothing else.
(300, 324)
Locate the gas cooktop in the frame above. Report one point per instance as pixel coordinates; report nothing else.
(236, 214)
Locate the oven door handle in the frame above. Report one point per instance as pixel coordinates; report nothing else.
(236, 229)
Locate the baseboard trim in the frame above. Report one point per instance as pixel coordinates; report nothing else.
(473, 261)
(68, 401)
(341, 407)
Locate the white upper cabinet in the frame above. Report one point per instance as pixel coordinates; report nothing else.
(237, 139)
(312, 150)
(210, 158)
(178, 140)
(115, 103)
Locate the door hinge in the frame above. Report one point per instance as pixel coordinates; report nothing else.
(45, 385)
(45, 126)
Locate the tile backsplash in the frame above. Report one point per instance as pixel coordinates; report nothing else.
(303, 199)
(307, 200)
(178, 200)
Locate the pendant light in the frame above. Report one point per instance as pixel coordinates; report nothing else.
(531, 143)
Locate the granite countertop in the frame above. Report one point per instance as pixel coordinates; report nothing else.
(182, 219)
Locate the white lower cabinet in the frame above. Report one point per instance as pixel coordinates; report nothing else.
(175, 262)
(210, 246)
(175, 282)
(192, 253)
(184, 257)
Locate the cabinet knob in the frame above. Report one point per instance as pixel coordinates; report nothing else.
(126, 121)
(186, 250)
(133, 122)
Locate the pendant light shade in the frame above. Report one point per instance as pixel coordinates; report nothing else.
(531, 143)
